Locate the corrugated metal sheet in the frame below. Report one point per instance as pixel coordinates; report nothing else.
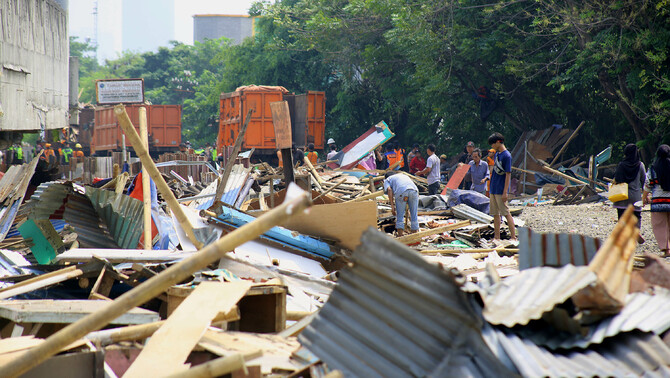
(122, 215)
(533, 292)
(60, 201)
(13, 187)
(627, 355)
(395, 315)
(236, 181)
(464, 211)
(644, 312)
(547, 249)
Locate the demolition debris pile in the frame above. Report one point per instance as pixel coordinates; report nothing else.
(243, 272)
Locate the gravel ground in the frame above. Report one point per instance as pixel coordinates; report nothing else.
(596, 220)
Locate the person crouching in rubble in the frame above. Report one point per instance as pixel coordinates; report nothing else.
(631, 171)
(658, 185)
(402, 192)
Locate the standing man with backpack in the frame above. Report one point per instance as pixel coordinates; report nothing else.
(500, 180)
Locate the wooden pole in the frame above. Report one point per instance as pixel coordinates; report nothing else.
(287, 159)
(142, 331)
(367, 197)
(149, 165)
(219, 366)
(331, 189)
(146, 185)
(467, 250)
(154, 286)
(309, 166)
(565, 145)
(233, 156)
(412, 238)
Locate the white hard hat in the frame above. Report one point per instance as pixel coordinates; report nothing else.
(331, 141)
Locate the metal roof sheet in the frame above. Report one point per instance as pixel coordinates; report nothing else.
(121, 213)
(394, 314)
(531, 293)
(549, 249)
(644, 312)
(631, 354)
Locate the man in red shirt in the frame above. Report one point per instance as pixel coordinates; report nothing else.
(417, 164)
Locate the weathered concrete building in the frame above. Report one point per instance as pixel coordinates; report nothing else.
(34, 52)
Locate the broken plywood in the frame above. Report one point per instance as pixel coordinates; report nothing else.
(343, 222)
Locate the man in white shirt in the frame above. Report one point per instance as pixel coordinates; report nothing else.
(432, 171)
(402, 192)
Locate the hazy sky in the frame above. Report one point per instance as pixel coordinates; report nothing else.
(81, 15)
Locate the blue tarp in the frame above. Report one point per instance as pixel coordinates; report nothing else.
(471, 198)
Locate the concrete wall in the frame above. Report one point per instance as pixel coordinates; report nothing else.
(236, 28)
(34, 52)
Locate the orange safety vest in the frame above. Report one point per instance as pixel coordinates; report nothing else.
(281, 159)
(400, 155)
(395, 156)
(312, 156)
(78, 154)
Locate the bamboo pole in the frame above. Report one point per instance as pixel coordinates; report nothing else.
(233, 156)
(412, 238)
(467, 250)
(154, 286)
(330, 189)
(146, 184)
(367, 197)
(565, 145)
(149, 165)
(142, 331)
(309, 166)
(219, 366)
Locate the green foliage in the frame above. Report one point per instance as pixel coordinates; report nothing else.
(418, 64)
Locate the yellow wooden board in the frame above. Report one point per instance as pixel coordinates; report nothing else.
(167, 350)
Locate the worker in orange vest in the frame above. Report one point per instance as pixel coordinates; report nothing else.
(312, 155)
(400, 155)
(395, 154)
(78, 153)
(49, 154)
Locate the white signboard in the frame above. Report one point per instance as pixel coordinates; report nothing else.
(119, 91)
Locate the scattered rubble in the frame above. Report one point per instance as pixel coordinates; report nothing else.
(250, 275)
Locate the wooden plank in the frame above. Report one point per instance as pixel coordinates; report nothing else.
(65, 311)
(417, 236)
(168, 348)
(456, 178)
(281, 119)
(344, 222)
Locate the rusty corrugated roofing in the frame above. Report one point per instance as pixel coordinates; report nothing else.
(549, 249)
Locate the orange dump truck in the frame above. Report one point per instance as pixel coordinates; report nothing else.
(163, 122)
(308, 118)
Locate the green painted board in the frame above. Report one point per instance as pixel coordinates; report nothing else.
(46, 240)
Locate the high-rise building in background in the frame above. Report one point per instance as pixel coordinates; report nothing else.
(147, 24)
(138, 26)
(214, 26)
(108, 32)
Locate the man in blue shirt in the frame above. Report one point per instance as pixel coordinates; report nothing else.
(402, 192)
(500, 179)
